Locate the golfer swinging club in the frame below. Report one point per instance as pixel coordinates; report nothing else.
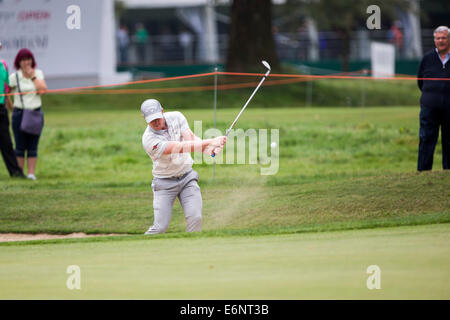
(168, 141)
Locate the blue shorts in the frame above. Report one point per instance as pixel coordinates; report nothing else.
(25, 142)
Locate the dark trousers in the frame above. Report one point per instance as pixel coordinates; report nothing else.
(25, 142)
(431, 119)
(6, 146)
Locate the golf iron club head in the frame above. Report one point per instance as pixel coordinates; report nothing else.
(266, 64)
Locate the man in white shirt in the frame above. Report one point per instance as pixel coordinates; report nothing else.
(168, 141)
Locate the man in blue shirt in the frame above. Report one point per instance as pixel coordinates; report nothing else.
(435, 101)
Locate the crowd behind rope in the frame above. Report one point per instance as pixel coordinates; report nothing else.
(137, 45)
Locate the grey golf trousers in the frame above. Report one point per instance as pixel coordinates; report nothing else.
(164, 193)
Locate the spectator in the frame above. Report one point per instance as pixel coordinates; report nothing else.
(169, 141)
(395, 36)
(435, 101)
(323, 45)
(5, 138)
(186, 41)
(302, 37)
(166, 43)
(123, 42)
(141, 39)
(27, 118)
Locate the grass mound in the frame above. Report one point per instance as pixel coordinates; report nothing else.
(337, 169)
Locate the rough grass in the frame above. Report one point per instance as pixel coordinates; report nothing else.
(339, 168)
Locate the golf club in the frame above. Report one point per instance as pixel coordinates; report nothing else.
(266, 64)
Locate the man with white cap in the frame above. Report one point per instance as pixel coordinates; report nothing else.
(168, 141)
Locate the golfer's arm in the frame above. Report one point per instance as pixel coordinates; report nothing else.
(189, 135)
(187, 146)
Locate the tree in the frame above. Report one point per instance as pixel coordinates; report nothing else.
(251, 39)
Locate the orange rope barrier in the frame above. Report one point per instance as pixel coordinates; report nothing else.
(197, 88)
(117, 84)
(292, 78)
(328, 76)
(186, 89)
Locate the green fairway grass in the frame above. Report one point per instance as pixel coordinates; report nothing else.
(414, 264)
(345, 195)
(338, 168)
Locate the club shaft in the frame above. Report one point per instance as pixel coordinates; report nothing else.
(256, 89)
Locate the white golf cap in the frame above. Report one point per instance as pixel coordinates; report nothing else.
(151, 109)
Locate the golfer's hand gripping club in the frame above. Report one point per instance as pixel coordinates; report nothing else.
(216, 145)
(256, 89)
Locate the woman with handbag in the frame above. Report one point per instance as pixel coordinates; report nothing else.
(27, 118)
